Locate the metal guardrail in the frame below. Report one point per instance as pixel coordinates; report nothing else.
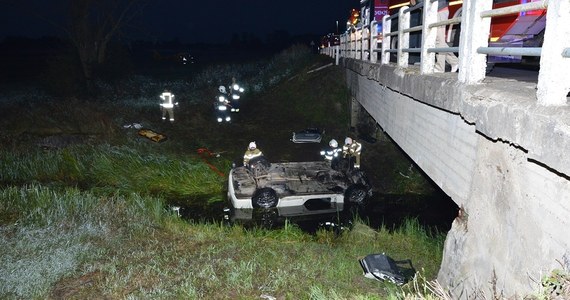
(363, 43)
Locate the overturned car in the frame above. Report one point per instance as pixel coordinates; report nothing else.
(264, 185)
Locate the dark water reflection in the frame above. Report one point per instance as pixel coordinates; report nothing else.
(435, 211)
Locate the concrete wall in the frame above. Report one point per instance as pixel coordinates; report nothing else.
(498, 155)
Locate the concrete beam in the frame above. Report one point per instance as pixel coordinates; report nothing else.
(501, 109)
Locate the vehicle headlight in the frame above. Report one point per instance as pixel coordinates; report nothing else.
(322, 152)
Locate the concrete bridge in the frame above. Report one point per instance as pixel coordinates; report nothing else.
(499, 146)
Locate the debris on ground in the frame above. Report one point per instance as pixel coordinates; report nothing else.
(133, 125)
(383, 268)
(151, 135)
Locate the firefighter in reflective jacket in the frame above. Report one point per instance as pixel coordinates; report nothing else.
(235, 91)
(251, 153)
(167, 105)
(352, 148)
(332, 152)
(235, 87)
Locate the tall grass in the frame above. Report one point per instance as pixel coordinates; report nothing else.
(47, 235)
(137, 249)
(113, 168)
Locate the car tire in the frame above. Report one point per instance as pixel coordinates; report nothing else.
(355, 194)
(264, 198)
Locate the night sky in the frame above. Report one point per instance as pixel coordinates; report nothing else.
(191, 21)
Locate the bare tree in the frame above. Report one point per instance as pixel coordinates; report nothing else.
(93, 25)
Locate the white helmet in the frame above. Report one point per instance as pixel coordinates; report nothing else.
(347, 141)
(252, 146)
(333, 143)
(222, 89)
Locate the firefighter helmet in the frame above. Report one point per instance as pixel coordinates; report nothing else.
(252, 146)
(333, 143)
(347, 141)
(222, 89)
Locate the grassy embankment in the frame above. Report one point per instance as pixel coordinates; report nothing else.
(89, 220)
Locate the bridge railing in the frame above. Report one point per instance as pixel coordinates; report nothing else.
(553, 83)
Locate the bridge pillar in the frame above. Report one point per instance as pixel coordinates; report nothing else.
(553, 83)
(354, 112)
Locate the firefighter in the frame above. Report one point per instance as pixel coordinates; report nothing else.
(221, 106)
(222, 89)
(332, 152)
(251, 153)
(167, 105)
(235, 91)
(235, 87)
(351, 149)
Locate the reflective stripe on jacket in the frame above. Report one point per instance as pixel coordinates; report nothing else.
(250, 154)
(353, 149)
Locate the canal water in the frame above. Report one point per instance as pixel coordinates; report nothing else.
(433, 212)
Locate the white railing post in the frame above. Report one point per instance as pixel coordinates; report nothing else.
(358, 43)
(428, 37)
(553, 83)
(403, 38)
(352, 44)
(362, 42)
(345, 45)
(373, 41)
(355, 44)
(365, 43)
(386, 40)
(337, 54)
(360, 36)
(474, 34)
(341, 42)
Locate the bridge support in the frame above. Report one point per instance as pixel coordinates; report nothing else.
(499, 155)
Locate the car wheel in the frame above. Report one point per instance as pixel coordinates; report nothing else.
(264, 198)
(355, 194)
